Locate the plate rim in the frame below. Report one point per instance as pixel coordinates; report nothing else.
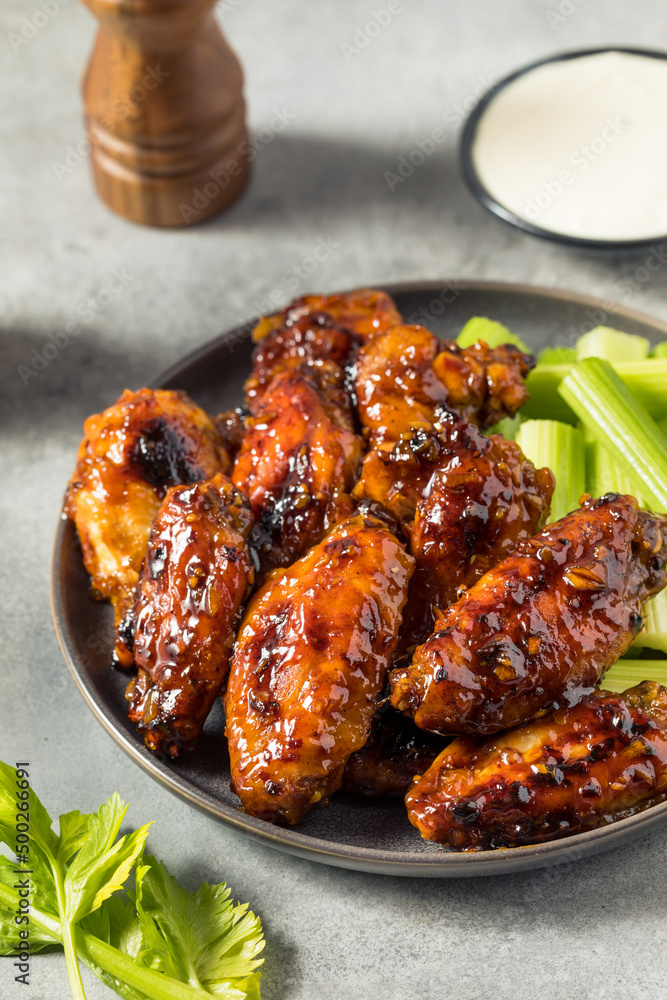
(374, 860)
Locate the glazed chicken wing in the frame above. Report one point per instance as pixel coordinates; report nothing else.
(540, 627)
(466, 502)
(394, 754)
(579, 768)
(130, 454)
(403, 376)
(297, 463)
(364, 312)
(193, 581)
(309, 663)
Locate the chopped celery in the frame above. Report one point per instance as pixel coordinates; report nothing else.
(613, 345)
(662, 424)
(615, 419)
(508, 427)
(557, 356)
(647, 380)
(660, 350)
(492, 333)
(562, 448)
(607, 475)
(626, 673)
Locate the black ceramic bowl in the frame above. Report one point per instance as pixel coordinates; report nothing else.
(482, 194)
(373, 836)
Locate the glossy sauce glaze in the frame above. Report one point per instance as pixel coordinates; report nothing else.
(540, 627)
(364, 312)
(403, 376)
(194, 579)
(310, 661)
(466, 501)
(579, 768)
(130, 454)
(297, 464)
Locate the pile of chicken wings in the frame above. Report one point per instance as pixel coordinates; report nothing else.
(371, 582)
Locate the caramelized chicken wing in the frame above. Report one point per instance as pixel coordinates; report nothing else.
(394, 754)
(542, 626)
(364, 312)
(130, 454)
(578, 768)
(193, 581)
(404, 375)
(466, 502)
(297, 463)
(309, 663)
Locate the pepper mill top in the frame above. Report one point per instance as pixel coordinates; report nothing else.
(165, 111)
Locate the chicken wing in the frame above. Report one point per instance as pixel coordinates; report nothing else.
(394, 754)
(297, 463)
(466, 502)
(402, 376)
(364, 312)
(130, 454)
(193, 581)
(579, 768)
(309, 663)
(542, 626)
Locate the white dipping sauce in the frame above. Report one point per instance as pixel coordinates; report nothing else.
(579, 147)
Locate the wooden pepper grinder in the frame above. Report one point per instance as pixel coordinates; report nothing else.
(165, 111)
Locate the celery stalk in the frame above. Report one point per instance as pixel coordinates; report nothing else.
(627, 673)
(613, 345)
(562, 448)
(647, 380)
(607, 474)
(660, 350)
(492, 333)
(615, 419)
(557, 356)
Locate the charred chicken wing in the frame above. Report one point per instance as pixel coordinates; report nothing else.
(581, 767)
(309, 663)
(297, 464)
(466, 502)
(193, 581)
(540, 627)
(404, 375)
(394, 754)
(130, 454)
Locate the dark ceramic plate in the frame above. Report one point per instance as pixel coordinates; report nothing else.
(485, 197)
(351, 833)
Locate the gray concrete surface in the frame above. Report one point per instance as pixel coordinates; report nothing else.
(595, 930)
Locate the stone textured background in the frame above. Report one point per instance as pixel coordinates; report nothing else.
(594, 930)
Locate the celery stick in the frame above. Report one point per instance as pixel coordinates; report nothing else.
(613, 345)
(492, 333)
(607, 475)
(557, 356)
(660, 350)
(627, 673)
(616, 420)
(508, 427)
(647, 380)
(562, 448)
